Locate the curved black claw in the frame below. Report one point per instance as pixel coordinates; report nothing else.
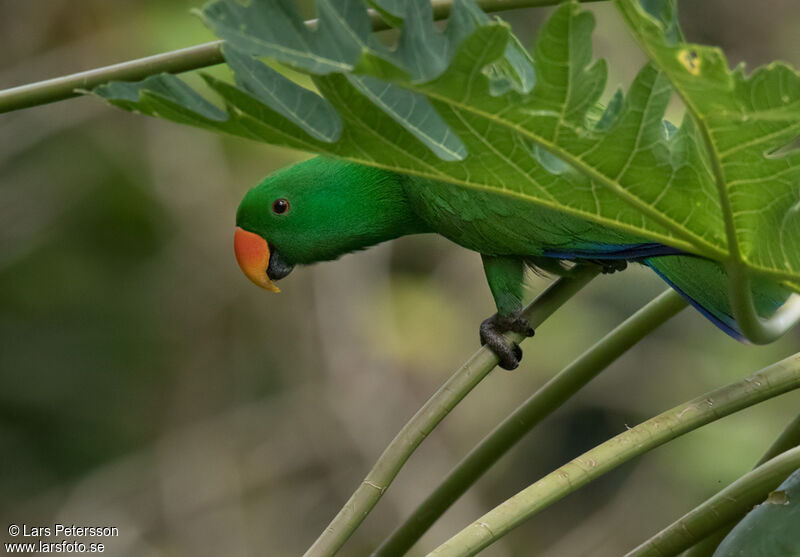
(610, 266)
(492, 330)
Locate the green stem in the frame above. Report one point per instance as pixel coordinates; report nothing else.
(757, 329)
(541, 404)
(69, 86)
(767, 383)
(432, 412)
(187, 59)
(708, 545)
(788, 439)
(725, 506)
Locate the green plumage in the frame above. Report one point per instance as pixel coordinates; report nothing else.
(339, 207)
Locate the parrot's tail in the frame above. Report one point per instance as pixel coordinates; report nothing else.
(704, 284)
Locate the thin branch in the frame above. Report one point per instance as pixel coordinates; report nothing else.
(788, 439)
(187, 59)
(540, 405)
(773, 380)
(708, 545)
(432, 412)
(69, 86)
(757, 329)
(739, 497)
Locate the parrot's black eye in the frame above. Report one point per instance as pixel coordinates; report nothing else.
(280, 206)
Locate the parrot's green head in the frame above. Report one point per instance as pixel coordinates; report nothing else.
(317, 210)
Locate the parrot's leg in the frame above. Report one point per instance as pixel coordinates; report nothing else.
(506, 281)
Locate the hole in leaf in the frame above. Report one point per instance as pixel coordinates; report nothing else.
(777, 498)
(676, 110)
(789, 149)
(691, 60)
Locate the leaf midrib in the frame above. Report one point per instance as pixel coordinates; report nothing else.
(683, 245)
(700, 245)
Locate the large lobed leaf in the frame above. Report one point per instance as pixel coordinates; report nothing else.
(751, 122)
(469, 106)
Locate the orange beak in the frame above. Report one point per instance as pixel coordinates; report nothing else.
(252, 254)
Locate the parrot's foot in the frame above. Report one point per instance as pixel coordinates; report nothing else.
(610, 266)
(492, 330)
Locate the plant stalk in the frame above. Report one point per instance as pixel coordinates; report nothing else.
(788, 439)
(187, 59)
(432, 412)
(540, 405)
(773, 380)
(727, 505)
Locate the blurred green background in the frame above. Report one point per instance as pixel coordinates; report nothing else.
(146, 384)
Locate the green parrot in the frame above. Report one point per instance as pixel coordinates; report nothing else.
(323, 208)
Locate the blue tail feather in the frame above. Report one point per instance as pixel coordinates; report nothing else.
(630, 252)
(703, 283)
(722, 320)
